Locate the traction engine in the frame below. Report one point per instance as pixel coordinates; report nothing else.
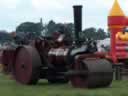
(58, 62)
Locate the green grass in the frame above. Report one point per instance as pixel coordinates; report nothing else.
(11, 88)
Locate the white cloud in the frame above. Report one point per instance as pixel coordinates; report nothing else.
(46, 4)
(124, 6)
(99, 3)
(64, 7)
(94, 11)
(8, 3)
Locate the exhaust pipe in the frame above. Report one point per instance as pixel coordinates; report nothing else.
(77, 22)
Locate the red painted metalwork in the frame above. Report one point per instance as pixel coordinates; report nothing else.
(8, 58)
(116, 24)
(26, 67)
(93, 75)
(116, 20)
(122, 48)
(113, 43)
(121, 43)
(126, 21)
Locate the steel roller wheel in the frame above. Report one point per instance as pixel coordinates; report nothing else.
(99, 73)
(5, 61)
(27, 65)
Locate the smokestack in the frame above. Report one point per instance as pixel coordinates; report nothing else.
(77, 22)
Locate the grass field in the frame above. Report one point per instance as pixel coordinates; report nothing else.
(11, 88)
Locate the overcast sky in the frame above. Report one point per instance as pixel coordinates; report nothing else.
(14, 12)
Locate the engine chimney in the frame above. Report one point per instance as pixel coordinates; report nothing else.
(77, 22)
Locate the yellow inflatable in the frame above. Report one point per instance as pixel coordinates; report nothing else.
(118, 35)
(122, 36)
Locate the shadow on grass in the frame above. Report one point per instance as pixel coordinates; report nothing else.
(45, 83)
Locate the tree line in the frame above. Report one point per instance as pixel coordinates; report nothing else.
(40, 29)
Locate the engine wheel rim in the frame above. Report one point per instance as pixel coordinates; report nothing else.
(23, 60)
(27, 63)
(79, 81)
(99, 74)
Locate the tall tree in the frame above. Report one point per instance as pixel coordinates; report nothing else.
(5, 37)
(51, 27)
(96, 34)
(89, 33)
(30, 27)
(101, 34)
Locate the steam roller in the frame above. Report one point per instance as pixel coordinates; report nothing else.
(59, 62)
(92, 73)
